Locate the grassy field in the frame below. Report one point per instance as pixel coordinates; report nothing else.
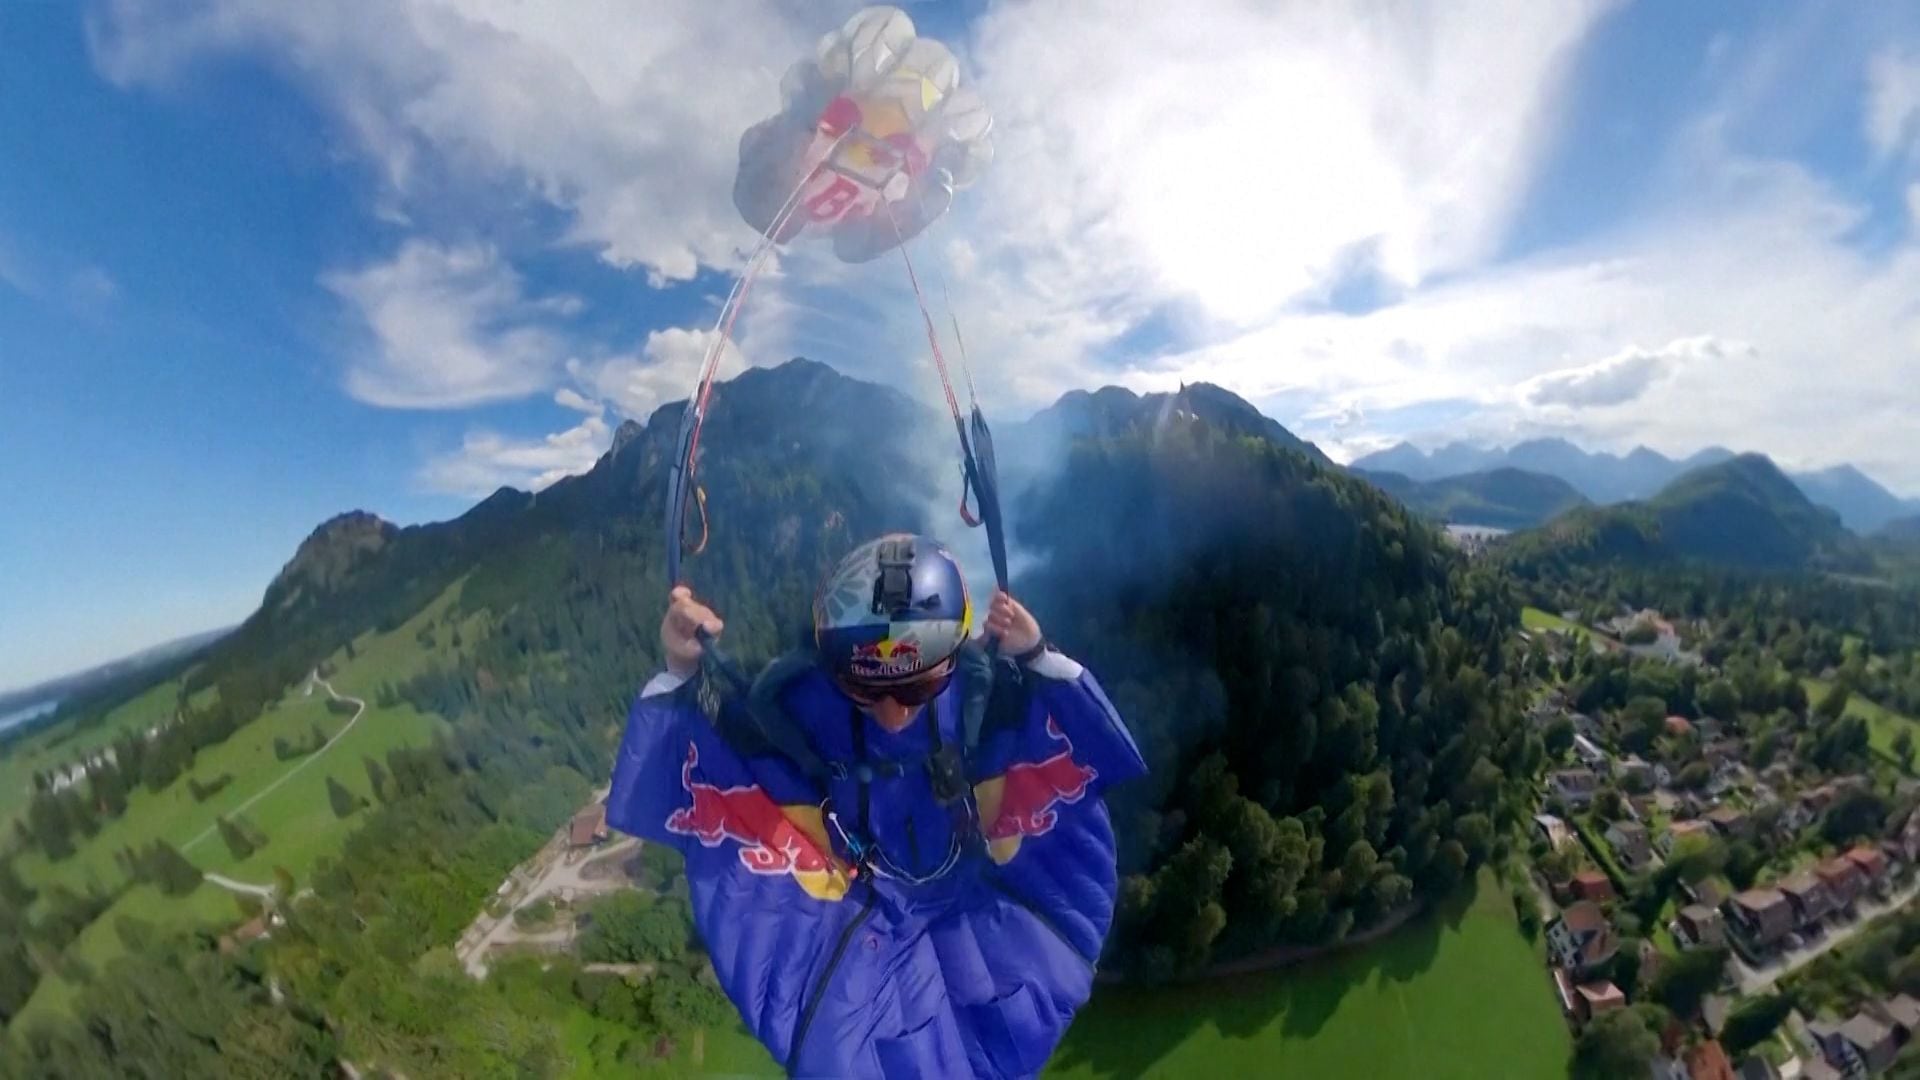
(1882, 724)
(1535, 619)
(1459, 993)
(296, 816)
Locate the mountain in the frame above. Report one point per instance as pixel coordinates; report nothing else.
(1901, 530)
(91, 680)
(1601, 477)
(1863, 505)
(1743, 512)
(1503, 498)
(1112, 411)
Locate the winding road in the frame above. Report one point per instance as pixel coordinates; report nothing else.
(360, 709)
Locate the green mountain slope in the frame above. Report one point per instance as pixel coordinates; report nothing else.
(1503, 498)
(1741, 513)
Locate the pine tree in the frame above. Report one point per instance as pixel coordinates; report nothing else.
(342, 800)
(376, 776)
(237, 840)
(170, 870)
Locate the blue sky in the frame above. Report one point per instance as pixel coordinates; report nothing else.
(263, 263)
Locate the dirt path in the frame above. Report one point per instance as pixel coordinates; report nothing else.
(360, 709)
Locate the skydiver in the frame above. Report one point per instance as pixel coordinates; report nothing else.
(893, 858)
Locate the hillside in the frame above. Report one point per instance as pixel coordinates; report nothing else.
(1301, 661)
(1114, 411)
(1502, 498)
(1599, 476)
(1862, 503)
(1742, 513)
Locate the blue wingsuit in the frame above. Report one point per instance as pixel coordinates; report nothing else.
(863, 926)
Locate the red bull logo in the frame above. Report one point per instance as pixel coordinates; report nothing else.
(885, 659)
(771, 840)
(1020, 802)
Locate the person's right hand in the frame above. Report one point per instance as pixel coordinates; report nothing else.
(678, 639)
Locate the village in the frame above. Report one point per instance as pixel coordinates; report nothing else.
(1660, 844)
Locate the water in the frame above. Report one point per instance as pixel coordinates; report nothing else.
(21, 716)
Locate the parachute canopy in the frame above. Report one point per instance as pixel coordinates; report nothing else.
(875, 135)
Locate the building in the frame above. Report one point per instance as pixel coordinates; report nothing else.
(1634, 768)
(1592, 999)
(1589, 752)
(1755, 1067)
(1728, 821)
(1553, 830)
(1872, 865)
(1808, 897)
(1763, 916)
(1842, 879)
(1700, 925)
(1900, 1012)
(1860, 1045)
(1573, 787)
(1679, 727)
(1630, 845)
(588, 827)
(1591, 885)
(1721, 753)
(1680, 830)
(1581, 939)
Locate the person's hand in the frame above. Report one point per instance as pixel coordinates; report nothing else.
(1015, 626)
(678, 639)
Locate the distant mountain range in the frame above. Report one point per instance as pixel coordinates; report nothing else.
(1862, 504)
(1741, 512)
(80, 682)
(1503, 498)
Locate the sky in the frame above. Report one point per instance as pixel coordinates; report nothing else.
(262, 263)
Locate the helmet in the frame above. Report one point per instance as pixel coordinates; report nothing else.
(894, 610)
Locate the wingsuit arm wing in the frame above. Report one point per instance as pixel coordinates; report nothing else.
(1065, 693)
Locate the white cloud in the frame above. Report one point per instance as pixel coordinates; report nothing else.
(447, 327)
(664, 370)
(1893, 101)
(1622, 377)
(626, 114)
(487, 461)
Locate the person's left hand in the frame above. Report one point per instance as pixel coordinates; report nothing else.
(1015, 626)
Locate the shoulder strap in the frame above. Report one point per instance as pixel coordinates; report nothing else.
(770, 717)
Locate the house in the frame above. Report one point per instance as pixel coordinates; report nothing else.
(1710, 728)
(1762, 915)
(1900, 1012)
(1816, 1068)
(1680, 830)
(1872, 865)
(1582, 939)
(1662, 776)
(588, 827)
(1861, 1045)
(1755, 1067)
(1635, 767)
(1629, 841)
(1592, 999)
(1651, 961)
(1553, 830)
(245, 934)
(1722, 753)
(1583, 724)
(1588, 751)
(1591, 885)
(1794, 817)
(1809, 898)
(1728, 821)
(1642, 807)
(1842, 879)
(1679, 727)
(1574, 787)
(1708, 1061)
(1700, 925)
